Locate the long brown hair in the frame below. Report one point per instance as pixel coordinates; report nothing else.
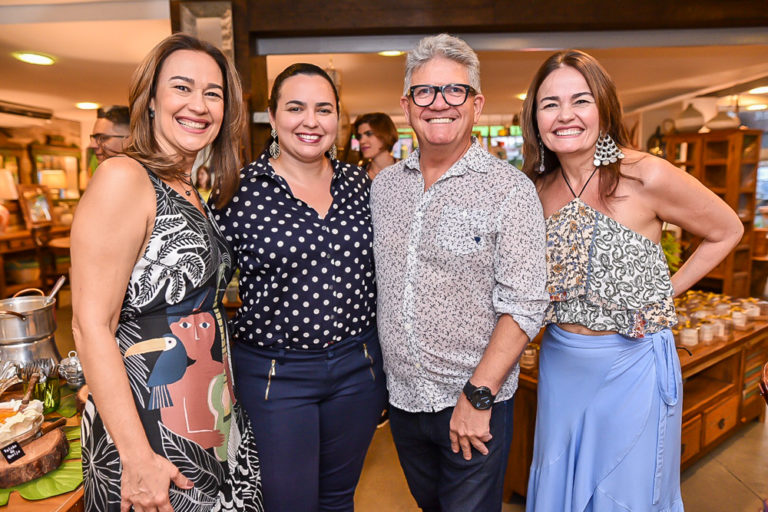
(608, 107)
(224, 157)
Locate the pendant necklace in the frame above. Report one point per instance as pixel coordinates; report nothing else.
(187, 182)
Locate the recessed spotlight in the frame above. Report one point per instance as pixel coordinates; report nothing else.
(757, 107)
(34, 58)
(759, 90)
(391, 53)
(521, 96)
(87, 105)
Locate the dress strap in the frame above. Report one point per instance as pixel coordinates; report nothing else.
(582, 188)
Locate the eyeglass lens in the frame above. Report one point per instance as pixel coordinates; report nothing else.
(453, 94)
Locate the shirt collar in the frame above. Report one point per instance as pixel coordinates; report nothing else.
(263, 167)
(472, 160)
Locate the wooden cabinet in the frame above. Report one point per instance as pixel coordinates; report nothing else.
(21, 243)
(719, 395)
(726, 162)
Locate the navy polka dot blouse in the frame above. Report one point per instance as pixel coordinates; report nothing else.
(306, 282)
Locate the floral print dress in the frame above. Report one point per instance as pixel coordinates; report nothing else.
(174, 342)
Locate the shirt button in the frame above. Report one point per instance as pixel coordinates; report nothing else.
(418, 365)
(407, 326)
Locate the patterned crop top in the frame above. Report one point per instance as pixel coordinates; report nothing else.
(604, 276)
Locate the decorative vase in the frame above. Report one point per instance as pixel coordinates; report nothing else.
(723, 121)
(689, 120)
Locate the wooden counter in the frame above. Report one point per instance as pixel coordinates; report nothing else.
(720, 394)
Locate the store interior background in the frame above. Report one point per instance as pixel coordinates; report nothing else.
(658, 73)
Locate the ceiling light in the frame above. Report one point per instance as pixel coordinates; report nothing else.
(759, 90)
(87, 105)
(391, 53)
(757, 107)
(521, 96)
(34, 58)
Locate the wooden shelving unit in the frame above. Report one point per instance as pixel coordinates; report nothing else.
(726, 162)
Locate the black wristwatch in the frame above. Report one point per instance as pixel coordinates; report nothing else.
(480, 397)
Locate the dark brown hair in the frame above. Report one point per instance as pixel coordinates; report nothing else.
(143, 146)
(608, 107)
(381, 126)
(300, 68)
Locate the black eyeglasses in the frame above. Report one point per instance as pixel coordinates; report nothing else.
(454, 94)
(101, 138)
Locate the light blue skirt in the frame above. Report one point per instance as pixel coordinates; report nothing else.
(608, 424)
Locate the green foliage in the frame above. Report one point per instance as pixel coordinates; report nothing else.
(672, 249)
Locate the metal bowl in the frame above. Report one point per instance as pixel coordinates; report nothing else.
(26, 319)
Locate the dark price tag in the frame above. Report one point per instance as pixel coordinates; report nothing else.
(12, 452)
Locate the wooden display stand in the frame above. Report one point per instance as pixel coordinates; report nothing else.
(726, 162)
(720, 394)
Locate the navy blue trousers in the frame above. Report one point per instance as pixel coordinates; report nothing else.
(442, 481)
(313, 415)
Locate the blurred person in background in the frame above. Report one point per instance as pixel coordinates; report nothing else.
(203, 182)
(110, 131)
(377, 135)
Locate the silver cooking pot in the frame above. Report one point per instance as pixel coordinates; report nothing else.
(27, 325)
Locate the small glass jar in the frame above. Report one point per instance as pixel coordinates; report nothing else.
(529, 358)
(763, 305)
(706, 333)
(739, 319)
(752, 310)
(723, 308)
(689, 336)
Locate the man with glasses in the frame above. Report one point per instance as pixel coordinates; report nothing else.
(110, 131)
(460, 273)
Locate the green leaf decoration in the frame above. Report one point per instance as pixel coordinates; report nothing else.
(63, 479)
(75, 450)
(5, 495)
(67, 406)
(72, 432)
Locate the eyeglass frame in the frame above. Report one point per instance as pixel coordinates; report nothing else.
(101, 138)
(467, 88)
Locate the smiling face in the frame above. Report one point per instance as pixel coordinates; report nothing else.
(188, 103)
(566, 112)
(370, 143)
(305, 119)
(440, 124)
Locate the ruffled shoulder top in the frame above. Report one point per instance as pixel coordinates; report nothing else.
(604, 276)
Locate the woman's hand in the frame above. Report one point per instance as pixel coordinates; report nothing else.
(145, 484)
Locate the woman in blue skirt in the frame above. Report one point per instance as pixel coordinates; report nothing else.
(610, 388)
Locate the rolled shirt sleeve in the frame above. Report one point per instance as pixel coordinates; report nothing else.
(520, 265)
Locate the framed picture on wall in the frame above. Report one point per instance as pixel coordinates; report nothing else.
(36, 205)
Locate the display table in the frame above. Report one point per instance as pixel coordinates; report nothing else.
(15, 244)
(68, 502)
(720, 394)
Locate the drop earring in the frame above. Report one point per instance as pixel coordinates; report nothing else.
(332, 152)
(151, 114)
(606, 151)
(542, 167)
(274, 147)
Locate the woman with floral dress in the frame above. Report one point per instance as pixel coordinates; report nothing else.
(161, 429)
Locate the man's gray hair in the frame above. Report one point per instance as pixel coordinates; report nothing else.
(447, 46)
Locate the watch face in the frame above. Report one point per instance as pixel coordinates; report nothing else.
(482, 398)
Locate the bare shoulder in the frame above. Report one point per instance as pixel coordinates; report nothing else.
(118, 180)
(653, 174)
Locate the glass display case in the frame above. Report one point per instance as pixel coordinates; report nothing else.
(65, 160)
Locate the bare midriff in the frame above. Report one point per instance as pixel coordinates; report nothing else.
(580, 329)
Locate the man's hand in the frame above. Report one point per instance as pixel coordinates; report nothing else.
(469, 427)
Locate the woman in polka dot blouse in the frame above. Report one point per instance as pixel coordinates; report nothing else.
(306, 353)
